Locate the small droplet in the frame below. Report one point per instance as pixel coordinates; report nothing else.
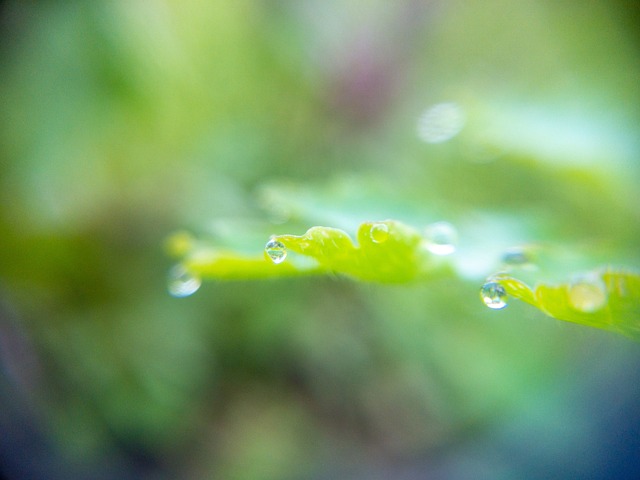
(516, 257)
(587, 294)
(181, 283)
(276, 251)
(379, 232)
(441, 238)
(441, 122)
(494, 295)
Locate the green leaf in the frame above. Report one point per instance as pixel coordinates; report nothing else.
(605, 299)
(385, 252)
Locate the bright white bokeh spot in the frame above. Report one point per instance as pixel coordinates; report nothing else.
(441, 122)
(441, 238)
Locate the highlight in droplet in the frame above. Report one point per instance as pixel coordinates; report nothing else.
(181, 283)
(494, 295)
(276, 251)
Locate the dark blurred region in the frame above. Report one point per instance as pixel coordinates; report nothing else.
(123, 122)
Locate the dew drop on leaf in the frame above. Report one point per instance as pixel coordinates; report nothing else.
(379, 232)
(276, 251)
(587, 294)
(441, 238)
(494, 295)
(181, 283)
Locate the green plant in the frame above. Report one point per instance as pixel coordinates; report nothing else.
(391, 252)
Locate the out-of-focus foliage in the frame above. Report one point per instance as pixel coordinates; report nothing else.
(122, 122)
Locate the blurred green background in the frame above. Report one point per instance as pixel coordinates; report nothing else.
(122, 122)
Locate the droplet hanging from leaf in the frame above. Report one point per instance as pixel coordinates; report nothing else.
(182, 283)
(494, 295)
(276, 251)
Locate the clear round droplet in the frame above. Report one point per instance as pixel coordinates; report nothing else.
(441, 122)
(441, 238)
(181, 283)
(276, 251)
(493, 295)
(379, 232)
(587, 294)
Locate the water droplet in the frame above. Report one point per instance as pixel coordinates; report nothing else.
(379, 232)
(587, 294)
(182, 283)
(441, 122)
(276, 251)
(494, 295)
(516, 257)
(441, 238)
